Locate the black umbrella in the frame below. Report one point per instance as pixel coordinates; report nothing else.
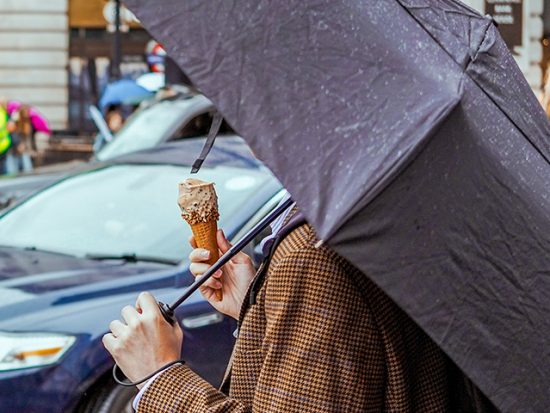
(412, 143)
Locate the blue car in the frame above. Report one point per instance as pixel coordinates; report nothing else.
(74, 254)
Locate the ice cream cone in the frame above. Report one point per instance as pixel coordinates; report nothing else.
(205, 237)
(199, 205)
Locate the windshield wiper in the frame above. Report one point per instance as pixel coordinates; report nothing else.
(34, 248)
(131, 258)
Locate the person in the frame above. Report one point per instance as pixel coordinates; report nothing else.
(40, 128)
(114, 118)
(22, 149)
(315, 335)
(5, 138)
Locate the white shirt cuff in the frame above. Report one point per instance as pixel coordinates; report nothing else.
(138, 397)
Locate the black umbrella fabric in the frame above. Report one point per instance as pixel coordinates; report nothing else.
(412, 143)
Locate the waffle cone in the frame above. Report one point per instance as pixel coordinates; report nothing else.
(205, 237)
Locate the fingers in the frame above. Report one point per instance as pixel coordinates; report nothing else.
(192, 242)
(209, 292)
(109, 342)
(148, 305)
(241, 258)
(223, 243)
(130, 315)
(215, 284)
(210, 286)
(118, 329)
(198, 269)
(199, 255)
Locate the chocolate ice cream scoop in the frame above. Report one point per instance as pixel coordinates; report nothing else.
(198, 201)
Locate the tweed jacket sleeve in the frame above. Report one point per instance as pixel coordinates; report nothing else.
(182, 390)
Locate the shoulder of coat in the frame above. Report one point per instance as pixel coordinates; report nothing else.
(303, 239)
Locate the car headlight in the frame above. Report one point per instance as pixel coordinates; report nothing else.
(26, 350)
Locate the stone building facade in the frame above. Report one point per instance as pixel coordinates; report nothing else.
(34, 42)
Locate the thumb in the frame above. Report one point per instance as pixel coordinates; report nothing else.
(223, 243)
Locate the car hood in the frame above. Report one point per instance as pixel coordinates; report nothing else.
(27, 275)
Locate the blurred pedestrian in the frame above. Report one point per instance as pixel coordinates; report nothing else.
(114, 118)
(23, 147)
(41, 130)
(5, 138)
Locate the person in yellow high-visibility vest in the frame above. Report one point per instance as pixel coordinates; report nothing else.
(5, 139)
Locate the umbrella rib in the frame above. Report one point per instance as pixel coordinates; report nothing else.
(520, 129)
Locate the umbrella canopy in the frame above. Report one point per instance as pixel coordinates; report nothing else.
(412, 143)
(39, 122)
(123, 91)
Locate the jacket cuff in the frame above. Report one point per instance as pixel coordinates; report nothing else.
(176, 390)
(138, 397)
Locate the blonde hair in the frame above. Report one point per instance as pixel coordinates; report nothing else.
(23, 123)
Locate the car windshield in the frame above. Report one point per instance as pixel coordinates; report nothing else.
(145, 129)
(125, 209)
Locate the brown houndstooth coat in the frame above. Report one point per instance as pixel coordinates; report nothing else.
(321, 338)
